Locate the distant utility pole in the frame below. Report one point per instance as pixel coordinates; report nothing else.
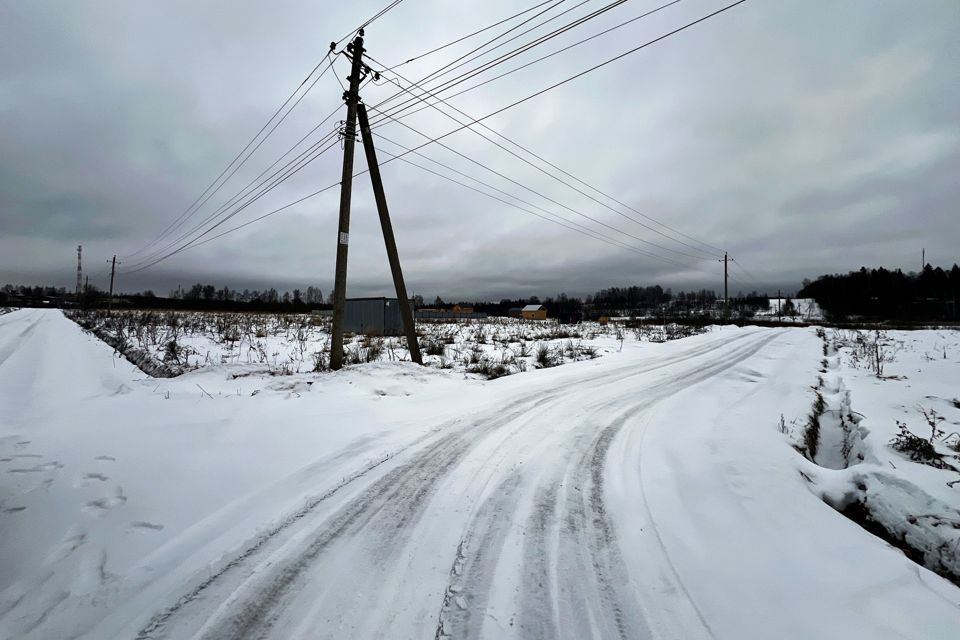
(923, 259)
(726, 297)
(79, 269)
(113, 268)
(354, 108)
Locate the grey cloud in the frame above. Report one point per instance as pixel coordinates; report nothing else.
(805, 137)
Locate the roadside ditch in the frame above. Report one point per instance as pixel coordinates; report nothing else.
(851, 479)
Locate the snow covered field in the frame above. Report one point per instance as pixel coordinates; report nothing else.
(296, 343)
(648, 493)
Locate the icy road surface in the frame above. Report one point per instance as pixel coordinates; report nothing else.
(647, 494)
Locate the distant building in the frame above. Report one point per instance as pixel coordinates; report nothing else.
(461, 309)
(374, 316)
(534, 312)
(515, 312)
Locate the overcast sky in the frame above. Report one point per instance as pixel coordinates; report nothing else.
(804, 137)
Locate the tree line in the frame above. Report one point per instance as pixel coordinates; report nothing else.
(199, 297)
(870, 294)
(881, 294)
(614, 301)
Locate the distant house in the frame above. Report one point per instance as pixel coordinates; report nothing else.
(534, 312)
(461, 309)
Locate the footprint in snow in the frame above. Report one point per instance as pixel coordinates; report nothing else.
(38, 468)
(90, 478)
(142, 526)
(14, 509)
(106, 458)
(101, 506)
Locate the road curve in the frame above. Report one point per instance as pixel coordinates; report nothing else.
(495, 526)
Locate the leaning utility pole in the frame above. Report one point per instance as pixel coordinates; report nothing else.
(113, 268)
(354, 109)
(351, 97)
(388, 238)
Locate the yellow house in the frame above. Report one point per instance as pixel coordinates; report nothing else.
(533, 312)
(458, 309)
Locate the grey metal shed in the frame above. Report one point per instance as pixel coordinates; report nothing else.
(377, 316)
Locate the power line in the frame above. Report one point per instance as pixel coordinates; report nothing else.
(502, 109)
(197, 204)
(745, 271)
(537, 60)
(267, 215)
(203, 196)
(246, 191)
(447, 67)
(558, 219)
(549, 199)
(370, 20)
(427, 104)
(453, 64)
(511, 54)
(705, 254)
(250, 186)
(195, 241)
(470, 35)
(526, 161)
(574, 77)
(274, 180)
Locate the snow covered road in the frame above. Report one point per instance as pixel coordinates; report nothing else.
(647, 494)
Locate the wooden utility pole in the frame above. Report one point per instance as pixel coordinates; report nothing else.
(356, 109)
(388, 238)
(351, 97)
(113, 268)
(726, 296)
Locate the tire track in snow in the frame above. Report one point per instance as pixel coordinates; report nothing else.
(416, 477)
(15, 343)
(570, 550)
(159, 620)
(250, 604)
(398, 499)
(463, 600)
